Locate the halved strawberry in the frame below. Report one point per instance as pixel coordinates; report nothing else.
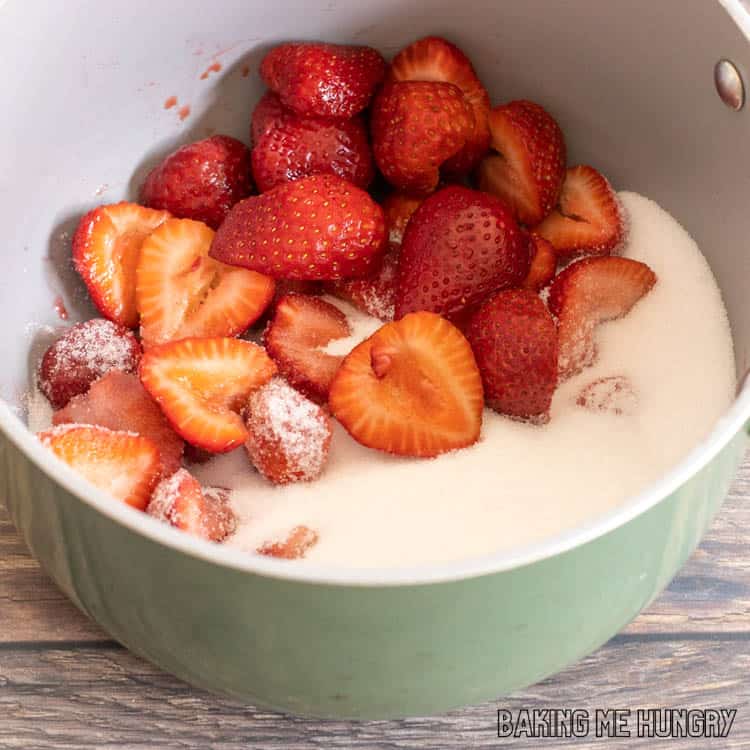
(202, 383)
(590, 292)
(296, 545)
(543, 264)
(180, 501)
(397, 210)
(437, 59)
(413, 389)
(528, 167)
(181, 292)
(588, 219)
(125, 465)
(106, 246)
(613, 395)
(120, 402)
(295, 337)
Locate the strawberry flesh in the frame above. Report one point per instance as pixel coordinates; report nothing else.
(296, 545)
(543, 264)
(398, 208)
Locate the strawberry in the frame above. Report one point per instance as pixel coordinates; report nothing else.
(181, 292)
(613, 395)
(543, 264)
(416, 126)
(590, 292)
(201, 180)
(200, 385)
(118, 401)
(588, 219)
(300, 329)
(397, 210)
(527, 167)
(84, 353)
(300, 146)
(324, 80)
(319, 227)
(124, 465)
(436, 59)
(299, 540)
(269, 112)
(412, 389)
(106, 245)
(459, 247)
(514, 339)
(288, 435)
(180, 501)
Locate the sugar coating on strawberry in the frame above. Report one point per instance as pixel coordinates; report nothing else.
(316, 228)
(119, 401)
(543, 264)
(201, 180)
(514, 339)
(460, 245)
(84, 353)
(269, 112)
(613, 395)
(416, 126)
(296, 545)
(288, 435)
(398, 209)
(324, 80)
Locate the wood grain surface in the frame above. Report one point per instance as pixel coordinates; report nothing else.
(64, 684)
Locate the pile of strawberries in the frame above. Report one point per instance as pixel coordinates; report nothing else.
(458, 257)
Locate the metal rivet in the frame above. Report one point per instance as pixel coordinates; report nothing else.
(729, 84)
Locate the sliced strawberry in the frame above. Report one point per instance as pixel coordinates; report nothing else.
(528, 167)
(613, 395)
(397, 210)
(269, 112)
(416, 126)
(514, 339)
(318, 227)
(288, 435)
(459, 247)
(437, 59)
(181, 292)
(589, 218)
(180, 501)
(200, 385)
(295, 338)
(543, 264)
(301, 146)
(118, 401)
(84, 353)
(298, 542)
(324, 80)
(589, 292)
(124, 465)
(106, 246)
(412, 389)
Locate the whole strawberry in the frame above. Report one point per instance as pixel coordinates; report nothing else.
(201, 181)
(459, 247)
(324, 80)
(268, 113)
(320, 227)
(514, 339)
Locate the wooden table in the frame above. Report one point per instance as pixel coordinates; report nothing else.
(64, 684)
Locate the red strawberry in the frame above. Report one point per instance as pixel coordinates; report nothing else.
(590, 292)
(528, 169)
(397, 210)
(124, 465)
(301, 146)
(412, 388)
(324, 80)
(180, 501)
(588, 219)
(295, 337)
(614, 395)
(200, 385)
(459, 247)
(514, 339)
(416, 126)
(106, 246)
(181, 292)
(436, 59)
(288, 435)
(319, 227)
(202, 180)
(299, 540)
(543, 264)
(269, 112)
(118, 401)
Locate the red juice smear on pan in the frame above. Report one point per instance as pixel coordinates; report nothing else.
(214, 67)
(184, 112)
(245, 71)
(170, 102)
(60, 309)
